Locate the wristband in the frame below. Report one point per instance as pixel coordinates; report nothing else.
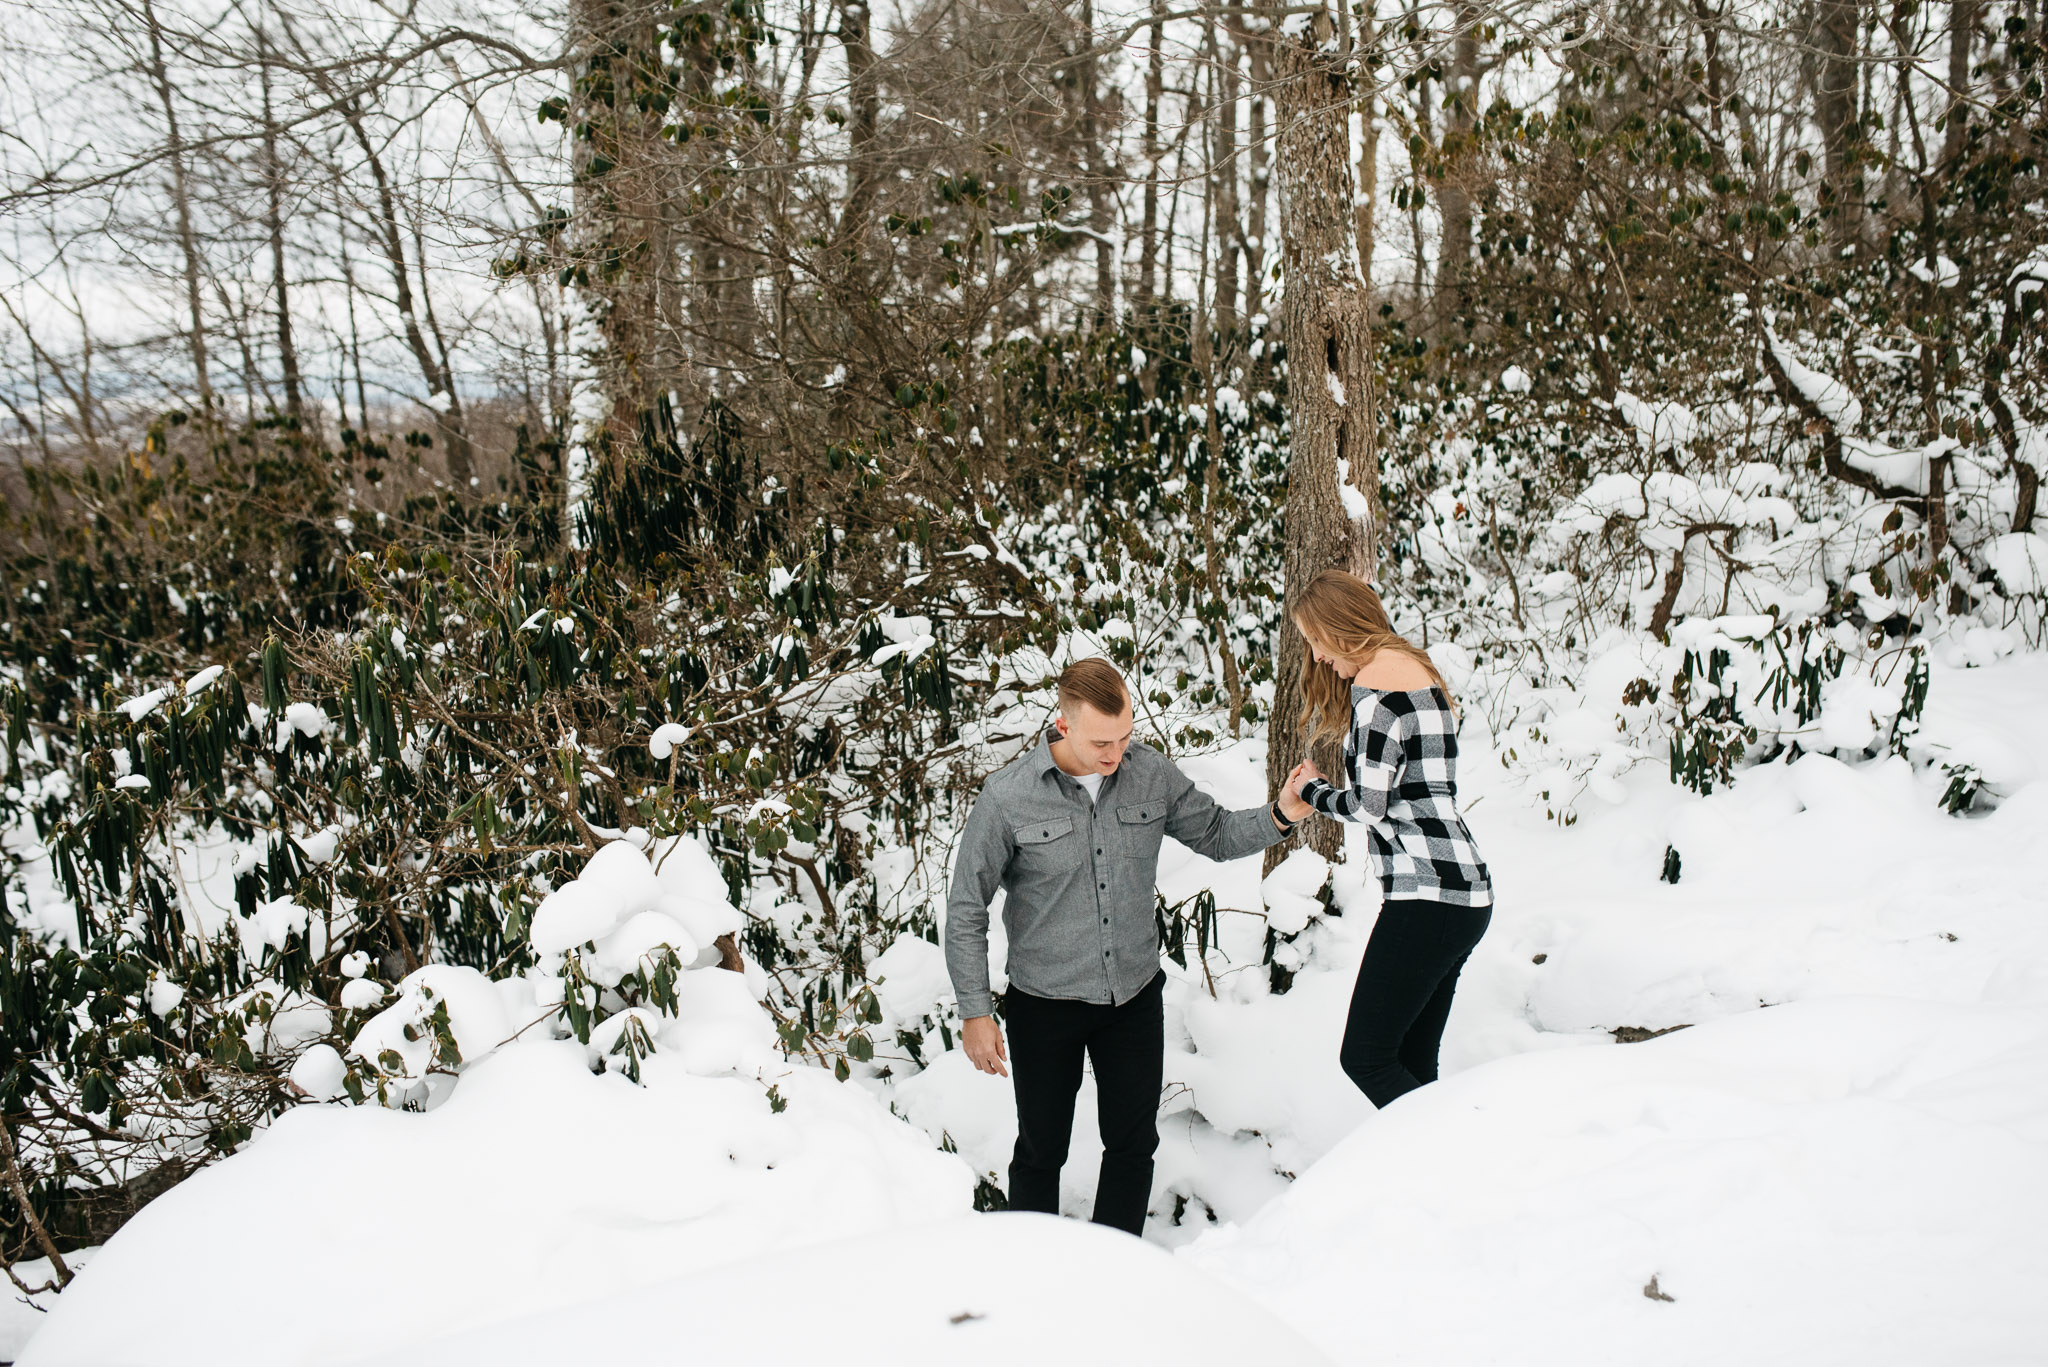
(1281, 817)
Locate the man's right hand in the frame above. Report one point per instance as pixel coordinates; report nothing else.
(983, 1040)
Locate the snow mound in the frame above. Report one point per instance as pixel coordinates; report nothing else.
(999, 1291)
(2020, 560)
(536, 1186)
(1854, 1180)
(403, 1035)
(1290, 891)
(626, 908)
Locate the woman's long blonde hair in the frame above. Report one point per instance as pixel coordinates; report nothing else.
(1340, 612)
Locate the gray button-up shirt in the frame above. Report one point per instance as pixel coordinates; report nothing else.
(1080, 874)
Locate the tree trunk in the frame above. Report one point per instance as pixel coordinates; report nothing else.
(390, 239)
(620, 229)
(1155, 89)
(1325, 324)
(1962, 24)
(1461, 97)
(181, 202)
(273, 226)
(1834, 45)
(1229, 231)
(1258, 178)
(1368, 157)
(1101, 178)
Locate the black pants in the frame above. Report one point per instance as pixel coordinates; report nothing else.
(1404, 992)
(1127, 1046)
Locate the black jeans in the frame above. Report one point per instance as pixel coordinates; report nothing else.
(1404, 992)
(1127, 1046)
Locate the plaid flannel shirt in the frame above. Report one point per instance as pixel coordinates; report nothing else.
(1401, 763)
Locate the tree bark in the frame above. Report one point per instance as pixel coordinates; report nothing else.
(1368, 155)
(1101, 177)
(273, 226)
(181, 203)
(1326, 325)
(1229, 231)
(1834, 45)
(1258, 169)
(622, 232)
(1155, 88)
(1962, 25)
(1454, 199)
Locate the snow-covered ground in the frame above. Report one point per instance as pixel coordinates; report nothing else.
(1844, 1159)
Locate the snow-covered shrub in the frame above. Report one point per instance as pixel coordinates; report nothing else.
(1712, 550)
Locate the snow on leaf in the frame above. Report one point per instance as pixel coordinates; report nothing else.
(666, 738)
(138, 708)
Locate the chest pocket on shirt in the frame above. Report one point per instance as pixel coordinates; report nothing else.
(1142, 824)
(1048, 845)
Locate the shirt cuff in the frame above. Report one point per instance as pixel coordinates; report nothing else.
(974, 1004)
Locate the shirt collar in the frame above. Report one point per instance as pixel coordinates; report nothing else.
(1043, 763)
(1042, 760)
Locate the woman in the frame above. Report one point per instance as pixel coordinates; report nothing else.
(1400, 763)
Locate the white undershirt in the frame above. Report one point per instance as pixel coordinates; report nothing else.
(1091, 782)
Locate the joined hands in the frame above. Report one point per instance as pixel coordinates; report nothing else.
(1291, 804)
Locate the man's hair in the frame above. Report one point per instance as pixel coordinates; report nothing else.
(1094, 681)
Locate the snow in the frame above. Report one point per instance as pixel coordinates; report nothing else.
(667, 739)
(910, 978)
(1809, 1184)
(1357, 506)
(306, 718)
(693, 890)
(203, 680)
(1515, 380)
(22, 1316)
(536, 1186)
(165, 996)
(319, 1071)
(1943, 274)
(909, 637)
(319, 846)
(134, 783)
(278, 919)
(2020, 560)
(1843, 1159)
(614, 888)
(476, 1016)
(1853, 709)
(1014, 1290)
(1834, 399)
(1660, 425)
(360, 994)
(138, 708)
(1290, 891)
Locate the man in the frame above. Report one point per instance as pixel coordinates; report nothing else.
(1072, 830)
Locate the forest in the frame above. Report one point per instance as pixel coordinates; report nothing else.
(442, 442)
